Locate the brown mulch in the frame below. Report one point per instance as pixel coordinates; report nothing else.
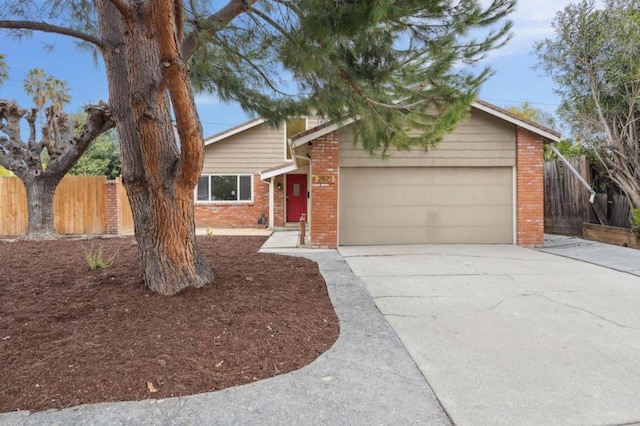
(70, 336)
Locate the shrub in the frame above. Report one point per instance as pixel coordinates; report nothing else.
(635, 222)
(95, 258)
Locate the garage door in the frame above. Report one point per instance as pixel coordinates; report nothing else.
(393, 205)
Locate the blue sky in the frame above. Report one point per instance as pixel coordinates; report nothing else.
(514, 80)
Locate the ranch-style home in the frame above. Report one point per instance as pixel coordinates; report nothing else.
(482, 184)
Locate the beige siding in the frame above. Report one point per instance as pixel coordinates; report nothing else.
(314, 121)
(479, 141)
(250, 151)
(414, 205)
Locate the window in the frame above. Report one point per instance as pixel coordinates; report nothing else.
(293, 126)
(225, 188)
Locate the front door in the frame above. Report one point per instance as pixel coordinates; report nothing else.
(296, 197)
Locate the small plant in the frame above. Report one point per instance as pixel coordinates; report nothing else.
(209, 233)
(635, 222)
(95, 258)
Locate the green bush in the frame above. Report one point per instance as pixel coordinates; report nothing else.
(635, 222)
(95, 258)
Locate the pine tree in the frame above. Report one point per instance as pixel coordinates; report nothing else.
(395, 64)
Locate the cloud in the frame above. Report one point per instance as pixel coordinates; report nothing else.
(204, 99)
(531, 23)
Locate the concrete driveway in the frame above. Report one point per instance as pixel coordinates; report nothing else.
(512, 336)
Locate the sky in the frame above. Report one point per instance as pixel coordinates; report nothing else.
(515, 79)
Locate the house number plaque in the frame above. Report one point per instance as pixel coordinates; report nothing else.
(324, 179)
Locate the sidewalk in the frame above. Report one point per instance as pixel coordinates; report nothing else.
(366, 377)
(621, 259)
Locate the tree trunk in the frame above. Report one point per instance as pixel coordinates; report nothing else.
(40, 192)
(165, 232)
(158, 171)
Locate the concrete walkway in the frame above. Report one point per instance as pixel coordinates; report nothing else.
(514, 336)
(614, 257)
(366, 378)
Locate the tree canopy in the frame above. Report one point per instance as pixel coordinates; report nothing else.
(594, 59)
(405, 68)
(394, 64)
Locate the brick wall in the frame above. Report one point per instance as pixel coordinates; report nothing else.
(235, 215)
(324, 195)
(529, 189)
(278, 202)
(114, 207)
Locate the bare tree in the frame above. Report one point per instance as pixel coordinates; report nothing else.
(24, 157)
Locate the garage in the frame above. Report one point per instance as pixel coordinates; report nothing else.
(425, 205)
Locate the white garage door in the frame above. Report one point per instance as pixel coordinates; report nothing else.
(413, 205)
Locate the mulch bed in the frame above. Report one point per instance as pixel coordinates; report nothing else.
(70, 335)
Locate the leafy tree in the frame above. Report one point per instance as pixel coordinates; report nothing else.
(101, 159)
(395, 64)
(103, 156)
(594, 60)
(531, 113)
(61, 143)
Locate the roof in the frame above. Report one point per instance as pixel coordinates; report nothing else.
(233, 130)
(282, 169)
(323, 129)
(537, 128)
(532, 126)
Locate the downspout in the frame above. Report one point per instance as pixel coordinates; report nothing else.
(592, 197)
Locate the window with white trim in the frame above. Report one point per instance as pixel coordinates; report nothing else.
(225, 188)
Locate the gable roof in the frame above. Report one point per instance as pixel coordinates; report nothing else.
(512, 118)
(323, 129)
(234, 130)
(537, 128)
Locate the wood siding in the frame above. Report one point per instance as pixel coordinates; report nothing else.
(250, 151)
(479, 141)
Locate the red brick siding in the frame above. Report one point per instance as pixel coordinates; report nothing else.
(324, 196)
(278, 202)
(529, 189)
(235, 215)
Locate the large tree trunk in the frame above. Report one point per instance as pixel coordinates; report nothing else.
(40, 192)
(159, 172)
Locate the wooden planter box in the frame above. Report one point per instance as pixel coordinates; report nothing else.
(610, 235)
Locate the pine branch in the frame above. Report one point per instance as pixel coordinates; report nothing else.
(50, 28)
(213, 24)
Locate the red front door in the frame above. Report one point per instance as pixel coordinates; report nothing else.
(296, 197)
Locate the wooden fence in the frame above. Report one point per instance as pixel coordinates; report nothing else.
(126, 216)
(79, 206)
(566, 200)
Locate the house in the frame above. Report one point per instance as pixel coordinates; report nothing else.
(482, 184)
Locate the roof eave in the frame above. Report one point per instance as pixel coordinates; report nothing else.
(277, 172)
(233, 131)
(306, 138)
(553, 137)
